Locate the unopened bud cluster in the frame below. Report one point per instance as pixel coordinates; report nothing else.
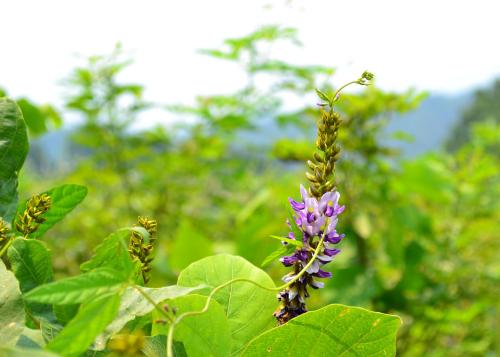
(141, 250)
(32, 216)
(4, 230)
(322, 166)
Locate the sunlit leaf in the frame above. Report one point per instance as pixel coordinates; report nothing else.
(248, 307)
(207, 334)
(335, 330)
(78, 289)
(112, 253)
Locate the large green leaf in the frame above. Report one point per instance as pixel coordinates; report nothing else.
(78, 289)
(13, 150)
(335, 330)
(32, 265)
(80, 332)
(11, 308)
(248, 307)
(133, 304)
(64, 199)
(113, 253)
(207, 334)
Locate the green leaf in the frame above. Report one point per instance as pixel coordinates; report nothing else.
(78, 289)
(64, 199)
(248, 307)
(80, 332)
(11, 308)
(33, 116)
(281, 251)
(24, 352)
(294, 242)
(32, 265)
(13, 150)
(323, 96)
(207, 334)
(112, 253)
(133, 304)
(335, 330)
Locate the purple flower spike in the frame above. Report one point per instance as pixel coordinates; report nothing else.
(314, 218)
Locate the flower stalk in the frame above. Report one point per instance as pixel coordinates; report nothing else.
(315, 216)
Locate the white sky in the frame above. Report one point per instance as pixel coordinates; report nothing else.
(445, 46)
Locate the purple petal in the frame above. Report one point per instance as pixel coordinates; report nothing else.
(302, 255)
(339, 210)
(288, 260)
(313, 268)
(331, 252)
(334, 237)
(332, 223)
(323, 274)
(297, 206)
(325, 258)
(329, 211)
(317, 284)
(304, 193)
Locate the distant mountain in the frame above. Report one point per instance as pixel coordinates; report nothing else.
(430, 124)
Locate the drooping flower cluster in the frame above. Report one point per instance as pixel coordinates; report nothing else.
(316, 221)
(315, 217)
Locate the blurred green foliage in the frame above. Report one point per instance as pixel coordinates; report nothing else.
(422, 234)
